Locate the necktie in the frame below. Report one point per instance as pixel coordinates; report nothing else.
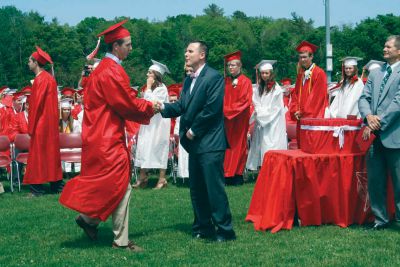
(384, 81)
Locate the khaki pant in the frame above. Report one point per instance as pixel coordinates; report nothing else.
(120, 218)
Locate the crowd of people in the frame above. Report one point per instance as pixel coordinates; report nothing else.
(223, 125)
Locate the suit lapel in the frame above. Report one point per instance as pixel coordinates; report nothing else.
(377, 85)
(392, 77)
(199, 81)
(186, 92)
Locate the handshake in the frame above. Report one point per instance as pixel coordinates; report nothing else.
(157, 106)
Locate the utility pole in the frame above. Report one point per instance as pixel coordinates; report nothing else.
(329, 63)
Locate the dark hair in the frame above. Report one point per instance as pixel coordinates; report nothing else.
(202, 47)
(157, 79)
(110, 45)
(262, 86)
(40, 64)
(396, 40)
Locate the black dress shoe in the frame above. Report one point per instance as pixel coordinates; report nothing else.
(228, 236)
(90, 230)
(379, 226)
(203, 236)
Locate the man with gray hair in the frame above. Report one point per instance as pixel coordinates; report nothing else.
(379, 106)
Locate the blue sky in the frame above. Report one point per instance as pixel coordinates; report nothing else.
(73, 11)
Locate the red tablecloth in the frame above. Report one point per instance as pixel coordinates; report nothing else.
(325, 189)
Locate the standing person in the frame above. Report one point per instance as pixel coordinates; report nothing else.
(202, 134)
(370, 66)
(153, 139)
(380, 108)
(350, 89)
(310, 97)
(44, 162)
(103, 186)
(237, 102)
(269, 115)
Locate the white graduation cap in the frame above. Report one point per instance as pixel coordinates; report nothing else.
(350, 61)
(374, 64)
(264, 65)
(159, 67)
(65, 103)
(9, 91)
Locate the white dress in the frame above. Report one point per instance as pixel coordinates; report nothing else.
(346, 101)
(77, 128)
(270, 126)
(153, 139)
(183, 156)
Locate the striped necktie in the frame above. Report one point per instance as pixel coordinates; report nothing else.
(384, 81)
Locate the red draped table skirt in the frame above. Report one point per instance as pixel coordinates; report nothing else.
(324, 188)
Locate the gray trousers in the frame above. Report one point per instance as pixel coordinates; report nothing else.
(382, 161)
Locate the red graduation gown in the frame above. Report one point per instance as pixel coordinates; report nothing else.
(105, 171)
(310, 99)
(44, 163)
(19, 125)
(237, 103)
(76, 109)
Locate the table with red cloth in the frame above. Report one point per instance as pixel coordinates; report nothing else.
(323, 188)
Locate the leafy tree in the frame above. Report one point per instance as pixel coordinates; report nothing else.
(214, 11)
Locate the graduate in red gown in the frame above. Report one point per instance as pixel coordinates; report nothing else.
(237, 103)
(103, 186)
(19, 121)
(310, 96)
(44, 163)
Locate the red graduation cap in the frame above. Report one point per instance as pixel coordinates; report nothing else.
(175, 89)
(233, 56)
(41, 56)
(286, 81)
(68, 92)
(305, 46)
(3, 88)
(115, 32)
(80, 92)
(27, 90)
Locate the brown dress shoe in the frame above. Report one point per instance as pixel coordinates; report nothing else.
(90, 230)
(132, 247)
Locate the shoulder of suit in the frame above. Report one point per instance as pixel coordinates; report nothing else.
(211, 72)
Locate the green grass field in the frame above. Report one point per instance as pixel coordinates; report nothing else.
(40, 232)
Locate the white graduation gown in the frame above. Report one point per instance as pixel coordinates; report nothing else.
(346, 101)
(270, 126)
(153, 139)
(183, 156)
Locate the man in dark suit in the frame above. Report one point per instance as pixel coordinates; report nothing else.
(380, 108)
(202, 134)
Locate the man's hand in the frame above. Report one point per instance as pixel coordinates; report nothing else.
(297, 115)
(374, 122)
(366, 134)
(156, 106)
(189, 135)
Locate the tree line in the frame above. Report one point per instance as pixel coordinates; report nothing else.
(257, 37)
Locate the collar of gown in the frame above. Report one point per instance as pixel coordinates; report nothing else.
(113, 57)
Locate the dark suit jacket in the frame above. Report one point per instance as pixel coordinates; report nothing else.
(202, 112)
(387, 107)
